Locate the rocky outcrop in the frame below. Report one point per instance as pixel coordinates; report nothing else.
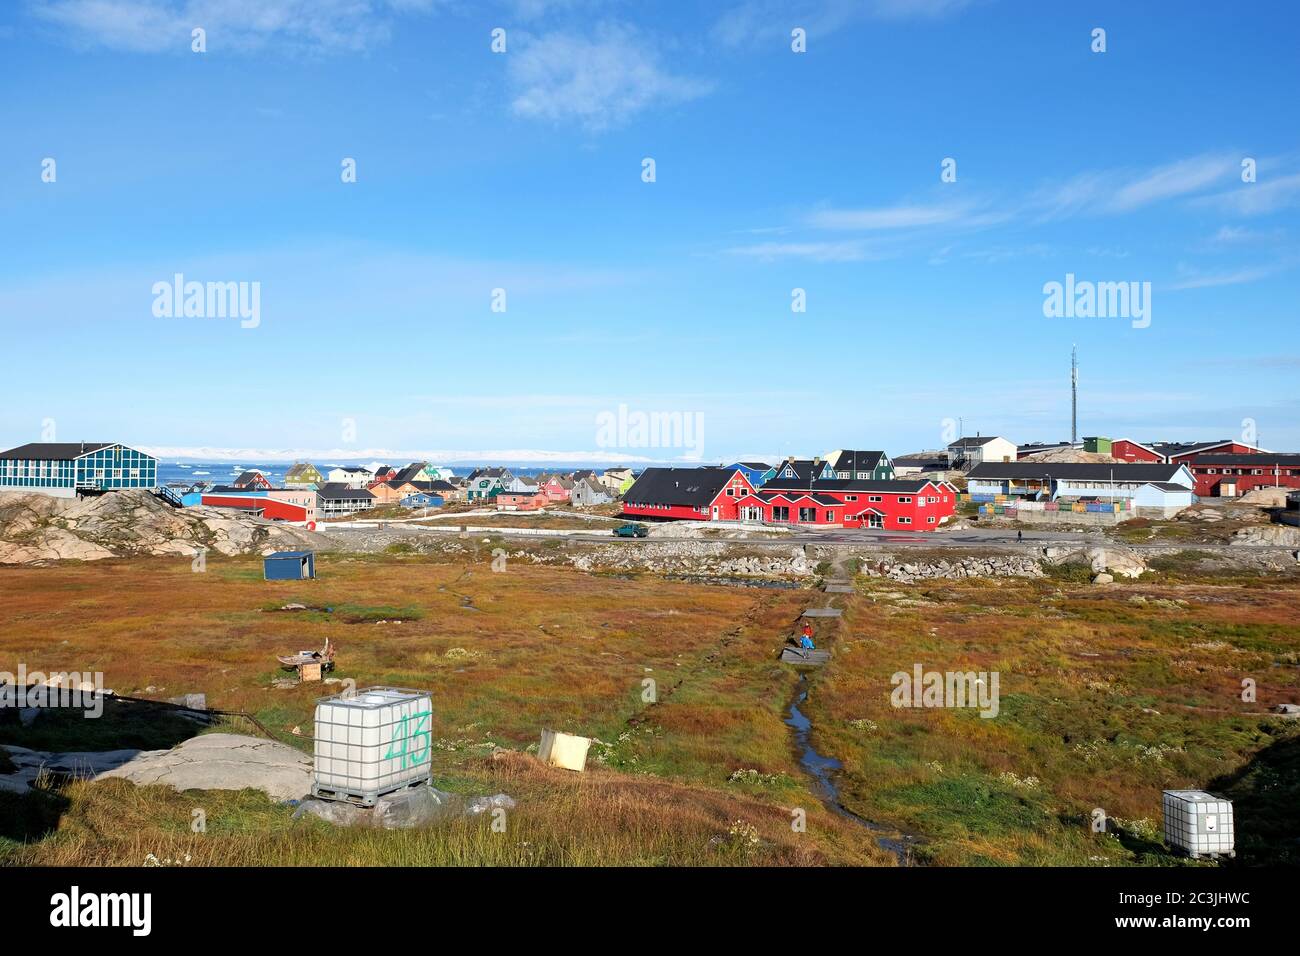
(1119, 562)
(223, 762)
(986, 566)
(38, 528)
(1268, 535)
(703, 558)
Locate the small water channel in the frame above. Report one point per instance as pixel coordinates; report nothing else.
(821, 768)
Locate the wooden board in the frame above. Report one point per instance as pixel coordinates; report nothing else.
(309, 672)
(796, 655)
(822, 612)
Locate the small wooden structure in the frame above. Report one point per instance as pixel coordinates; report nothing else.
(310, 665)
(289, 566)
(805, 657)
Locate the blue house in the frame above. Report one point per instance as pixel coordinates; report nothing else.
(757, 473)
(67, 469)
(289, 566)
(422, 499)
(805, 469)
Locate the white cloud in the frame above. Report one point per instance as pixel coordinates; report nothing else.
(851, 251)
(889, 217)
(1111, 192)
(156, 26)
(599, 81)
(1259, 198)
(756, 22)
(1235, 277)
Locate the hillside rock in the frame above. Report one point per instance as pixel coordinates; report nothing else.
(37, 528)
(1269, 535)
(993, 566)
(1117, 561)
(223, 762)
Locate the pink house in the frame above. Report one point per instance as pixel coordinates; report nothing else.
(521, 500)
(556, 488)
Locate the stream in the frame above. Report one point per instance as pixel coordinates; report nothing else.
(821, 768)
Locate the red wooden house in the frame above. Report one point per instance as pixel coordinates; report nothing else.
(1227, 476)
(696, 494)
(905, 505)
(1128, 450)
(252, 479)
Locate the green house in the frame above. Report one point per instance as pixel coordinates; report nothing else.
(303, 475)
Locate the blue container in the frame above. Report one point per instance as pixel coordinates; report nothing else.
(289, 566)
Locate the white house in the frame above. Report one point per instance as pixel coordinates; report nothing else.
(351, 477)
(1149, 486)
(966, 453)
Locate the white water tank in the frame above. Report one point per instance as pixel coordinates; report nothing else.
(1199, 823)
(372, 743)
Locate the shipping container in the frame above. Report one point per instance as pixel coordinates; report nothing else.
(1199, 823)
(372, 743)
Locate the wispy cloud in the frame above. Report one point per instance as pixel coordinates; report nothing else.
(1258, 198)
(158, 26)
(755, 22)
(598, 81)
(1206, 280)
(890, 217)
(1113, 192)
(848, 251)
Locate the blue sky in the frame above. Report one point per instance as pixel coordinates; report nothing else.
(522, 170)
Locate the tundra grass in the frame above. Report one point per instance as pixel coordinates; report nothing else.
(675, 681)
(1107, 697)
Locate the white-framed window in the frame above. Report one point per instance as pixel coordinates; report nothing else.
(904, 499)
(930, 520)
(873, 497)
(904, 520)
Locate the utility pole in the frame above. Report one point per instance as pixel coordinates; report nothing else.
(1074, 394)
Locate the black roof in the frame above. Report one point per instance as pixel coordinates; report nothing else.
(1261, 460)
(857, 460)
(335, 490)
(901, 486)
(1171, 448)
(1076, 471)
(755, 465)
(939, 461)
(972, 442)
(55, 451)
(678, 486)
(248, 476)
(1169, 486)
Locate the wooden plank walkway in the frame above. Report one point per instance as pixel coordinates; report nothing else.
(822, 612)
(797, 655)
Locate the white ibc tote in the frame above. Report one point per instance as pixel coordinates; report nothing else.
(372, 743)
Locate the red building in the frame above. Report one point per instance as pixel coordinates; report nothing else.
(906, 505)
(259, 506)
(694, 494)
(252, 479)
(721, 494)
(1134, 451)
(1176, 453)
(1227, 476)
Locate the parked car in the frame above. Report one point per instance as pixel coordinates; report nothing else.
(631, 530)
